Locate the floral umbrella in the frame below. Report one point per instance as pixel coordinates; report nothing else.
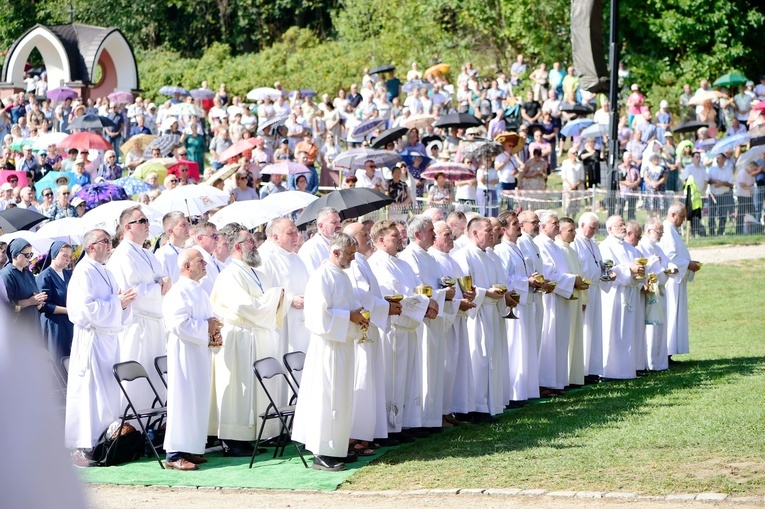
(96, 194)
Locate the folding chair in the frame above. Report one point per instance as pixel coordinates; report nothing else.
(128, 372)
(294, 362)
(160, 364)
(65, 364)
(265, 369)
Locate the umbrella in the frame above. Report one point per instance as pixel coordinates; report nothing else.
(249, 213)
(17, 218)
(232, 111)
(355, 158)
(188, 109)
(91, 121)
(418, 121)
(258, 94)
(458, 120)
(171, 90)
(106, 216)
(223, 173)
(436, 69)
(133, 186)
(575, 127)
(61, 94)
(689, 127)
(483, 149)
(239, 147)
(96, 194)
(273, 121)
(409, 86)
(39, 243)
(121, 97)
(191, 200)
(681, 147)
(5, 175)
(753, 154)
(389, 136)
(303, 93)
(85, 141)
(49, 181)
(139, 142)
(164, 143)
(759, 106)
(20, 144)
(700, 98)
(382, 68)
(44, 141)
(408, 158)
(367, 126)
(452, 171)
(730, 79)
(66, 229)
(729, 143)
(756, 142)
(285, 168)
(350, 203)
(579, 109)
(289, 201)
(192, 166)
(201, 94)
(594, 131)
(158, 165)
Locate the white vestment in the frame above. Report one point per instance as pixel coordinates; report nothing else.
(553, 352)
(522, 346)
(143, 338)
(576, 370)
(459, 387)
(430, 351)
(214, 267)
(677, 290)
(369, 416)
(325, 405)
(534, 262)
(93, 396)
(314, 252)
(486, 329)
(402, 382)
(590, 259)
(656, 306)
(620, 309)
(186, 308)
(251, 310)
(167, 256)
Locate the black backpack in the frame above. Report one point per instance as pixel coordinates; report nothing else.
(110, 451)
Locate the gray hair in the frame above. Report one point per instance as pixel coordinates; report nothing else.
(231, 231)
(90, 238)
(588, 217)
(325, 212)
(546, 215)
(612, 220)
(341, 241)
(676, 208)
(274, 226)
(417, 224)
(183, 257)
(171, 219)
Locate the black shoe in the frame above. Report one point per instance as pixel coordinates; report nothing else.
(418, 432)
(515, 404)
(642, 372)
(402, 437)
(387, 442)
(591, 379)
(482, 418)
(211, 440)
(328, 464)
(462, 417)
(673, 361)
(435, 430)
(237, 448)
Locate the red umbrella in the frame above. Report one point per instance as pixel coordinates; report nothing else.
(85, 141)
(759, 106)
(238, 148)
(452, 171)
(191, 165)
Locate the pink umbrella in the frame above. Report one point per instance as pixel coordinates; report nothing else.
(238, 148)
(191, 165)
(121, 97)
(452, 171)
(6, 174)
(285, 168)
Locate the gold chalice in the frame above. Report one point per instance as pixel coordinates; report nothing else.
(447, 281)
(466, 283)
(394, 298)
(699, 264)
(539, 278)
(364, 339)
(499, 287)
(516, 297)
(425, 290)
(586, 283)
(553, 284)
(643, 262)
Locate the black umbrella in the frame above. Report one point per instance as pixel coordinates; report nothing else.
(16, 218)
(689, 127)
(382, 68)
(87, 122)
(579, 109)
(389, 136)
(535, 127)
(458, 120)
(350, 203)
(760, 140)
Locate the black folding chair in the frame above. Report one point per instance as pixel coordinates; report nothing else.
(160, 364)
(294, 362)
(265, 369)
(128, 372)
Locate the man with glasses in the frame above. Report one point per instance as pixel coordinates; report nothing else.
(206, 238)
(110, 170)
(135, 267)
(371, 177)
(62, 208)
(99, 311)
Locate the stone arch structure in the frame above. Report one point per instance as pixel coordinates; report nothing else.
(72, 55)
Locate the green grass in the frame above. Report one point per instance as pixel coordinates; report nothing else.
(698, 427)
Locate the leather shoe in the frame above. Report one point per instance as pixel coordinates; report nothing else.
(328, 464)
(482, 418)
(181, 464)
(195, 458)
(387, 442)
(418, 432)
(237, 448)
(403, 438)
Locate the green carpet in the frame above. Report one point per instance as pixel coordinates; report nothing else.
(284, 473)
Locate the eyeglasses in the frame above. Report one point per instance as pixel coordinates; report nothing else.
(241, 178)
(67, 193)
(182, 153)
(47, 195)
(104, 241)
(173, 181)
(213, 236)
(29, 255)
(143, 220)
(13, 181)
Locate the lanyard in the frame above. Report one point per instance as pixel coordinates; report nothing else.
(517, 251)
(255, 277)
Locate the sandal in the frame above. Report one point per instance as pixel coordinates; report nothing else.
(360, 449)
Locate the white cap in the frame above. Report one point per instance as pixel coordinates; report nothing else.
(663, 104)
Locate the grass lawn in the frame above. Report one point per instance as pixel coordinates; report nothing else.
(698, 427)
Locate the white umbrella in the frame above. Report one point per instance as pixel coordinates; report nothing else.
(66, 229)
(248, 213)
(42, 142)
(289, 201)
(256, 94)
(107, 215)
(750, 155)
(234, 110)
(39, 243)
(191, 200)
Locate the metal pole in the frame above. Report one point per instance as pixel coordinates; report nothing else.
(613, 99)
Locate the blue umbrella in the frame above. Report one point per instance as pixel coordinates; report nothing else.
(367, 126)
(574, 127)
(411, 85)
(171, 90)
(202, 93)
(49, 180)
(729, 143)
(96, 194)
(594, 131)
(408, 158)
(133, 186)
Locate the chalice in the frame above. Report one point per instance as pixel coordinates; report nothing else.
(364, 339)
(642, 262)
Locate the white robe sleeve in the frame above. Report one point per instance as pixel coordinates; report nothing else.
(84, 309)
(178, 309)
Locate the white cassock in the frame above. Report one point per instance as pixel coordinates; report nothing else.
(459, 387)
(677, 290)
(430, 350)
(287, 270)
(251, 310)
(369, 417)
(656, 306)
(167, 256)
(553, 352)
(325, 406)
(590, 259)
(189, 366)
(314, 252)
(486, 330)
(576, 370)
(534, 262)
(402, 380)
(620, 309)
(214, 267)
(93, 396)
(522, 346)
(143, 338)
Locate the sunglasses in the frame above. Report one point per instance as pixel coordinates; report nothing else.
(105, 240)
(173, 181)
(143, 220)
(213, 236)
(29, 255)
(47, 195)
(182, 153)
(66, 194)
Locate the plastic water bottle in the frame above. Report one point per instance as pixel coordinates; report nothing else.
(149, 439)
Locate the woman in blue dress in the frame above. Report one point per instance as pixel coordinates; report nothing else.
(54, 280)
(21, 286)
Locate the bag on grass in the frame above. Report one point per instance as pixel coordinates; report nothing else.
(110, 451)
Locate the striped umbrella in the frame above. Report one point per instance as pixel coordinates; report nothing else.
(367, 126)
(452, 171)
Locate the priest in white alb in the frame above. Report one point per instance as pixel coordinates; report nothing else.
(316, 249)
(578, 300)
(176, 227)
(206, 238)
(656, 299)
(529, 231)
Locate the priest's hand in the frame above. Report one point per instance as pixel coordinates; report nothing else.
(450, 293)
(468, 295)
(494, 293)
(394, 308)
(466, 305)
(533, 281)
(297, 302)
(165, 283)
(510, 301)
(358, 318)
(693, 266)
(214, 325)
(127, 297)
(579, 284)
(432, 311)
(637, 270)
